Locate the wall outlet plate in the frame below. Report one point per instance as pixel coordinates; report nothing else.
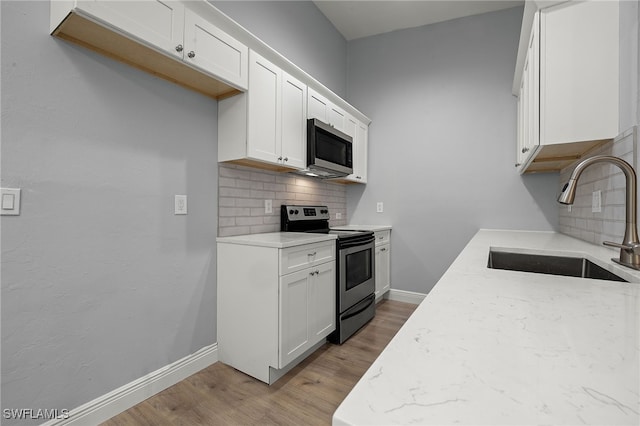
(379, 207)
(268, 206)
(596, 201)
(181, 204)
(338, 215)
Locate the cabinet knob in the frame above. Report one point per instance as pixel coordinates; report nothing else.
(179, 48)
(383, 249)
(191, 54)
(518, 164)
(280, 158)
(525, 149)
(286, 158)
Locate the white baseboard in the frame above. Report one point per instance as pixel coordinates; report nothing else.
(405, 296)
(125, 397)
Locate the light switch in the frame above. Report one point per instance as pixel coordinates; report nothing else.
(10, 202)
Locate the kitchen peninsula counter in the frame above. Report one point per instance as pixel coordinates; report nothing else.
(500, 347)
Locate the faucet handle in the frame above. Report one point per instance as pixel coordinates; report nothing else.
(633, 247)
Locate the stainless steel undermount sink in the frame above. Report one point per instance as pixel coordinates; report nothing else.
(546, 264)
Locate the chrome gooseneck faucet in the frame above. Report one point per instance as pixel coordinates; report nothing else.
(630, 246)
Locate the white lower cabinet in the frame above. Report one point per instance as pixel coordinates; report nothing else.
(305, 298)
(275, 305)
(383, 262)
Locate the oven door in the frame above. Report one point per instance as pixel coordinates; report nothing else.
(356, 272)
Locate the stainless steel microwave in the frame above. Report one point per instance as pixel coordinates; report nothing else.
(329, 151)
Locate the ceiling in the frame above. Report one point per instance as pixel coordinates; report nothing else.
(363, 18)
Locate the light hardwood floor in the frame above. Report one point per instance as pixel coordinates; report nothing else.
(307, 395)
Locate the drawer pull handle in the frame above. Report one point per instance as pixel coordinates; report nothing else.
(312, 254)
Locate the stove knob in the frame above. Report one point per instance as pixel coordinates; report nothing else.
(296, 211)
(291, 211)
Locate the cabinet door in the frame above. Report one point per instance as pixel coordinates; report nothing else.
(264, 109)
(323, 301)
(363, 152)
(383, 269)
(154, 22)
(317, 106)
(533, 90)
(336, 118)
(295, 317)
(579, 71)
(294, 122)
(214, 51)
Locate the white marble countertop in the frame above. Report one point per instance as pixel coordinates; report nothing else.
(373, 228)
(277, 239)
(496, 347)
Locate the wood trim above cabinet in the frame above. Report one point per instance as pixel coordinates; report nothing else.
(88, 33)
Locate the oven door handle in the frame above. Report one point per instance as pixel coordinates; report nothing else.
(356, 242)
(359, 311)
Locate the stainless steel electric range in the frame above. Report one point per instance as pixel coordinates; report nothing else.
(355, 268)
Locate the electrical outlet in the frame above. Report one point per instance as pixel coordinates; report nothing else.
(596, 201)
(268, 206)
(379, 207)
(181, 204)
(338, 215)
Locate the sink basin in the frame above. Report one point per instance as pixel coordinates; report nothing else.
(554, 265)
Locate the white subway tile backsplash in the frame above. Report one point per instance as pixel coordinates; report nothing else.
(609, 224)
(242, 192)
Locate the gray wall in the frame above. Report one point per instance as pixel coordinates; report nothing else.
(300, 32)
(101, 282)
(442, 141)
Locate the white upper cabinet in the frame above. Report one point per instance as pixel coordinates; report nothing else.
(264, 112)
(326, 111)
(359, 132)
(155, 22)
(267, 124)
(294, 121)
(568, 84)
(579, 72)
(214, 51)
(165, 38)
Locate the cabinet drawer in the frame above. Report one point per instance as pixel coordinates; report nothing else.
(296, 258)
(382, 237)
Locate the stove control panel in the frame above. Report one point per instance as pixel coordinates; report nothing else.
(295, 212)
